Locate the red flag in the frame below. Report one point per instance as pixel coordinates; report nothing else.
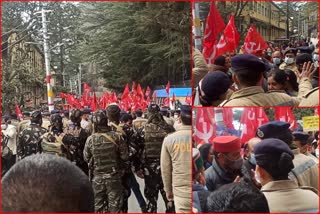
(94, 102)
(133, 86)
(148, 91)
(125, 92)
(166, 101)
(228, 117)
(139, 90)
(18, 112)
(205, 126)
(229, 41)
(188, 99)
(154, 96)
(214, 25)
(168, 87)
(86, 88)
(316, 111)
(251, 119)
(253, 42)
(285, 114)
(173, 98)
(63, 95)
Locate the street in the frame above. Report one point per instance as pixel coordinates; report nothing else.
(133, 203)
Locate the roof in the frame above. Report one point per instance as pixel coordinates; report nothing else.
(178, 92)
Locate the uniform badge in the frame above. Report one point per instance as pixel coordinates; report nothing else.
(260, 133)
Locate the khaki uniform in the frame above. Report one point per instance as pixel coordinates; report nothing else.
(175, 167)
(305, 171)
(255, 96)
(293, 67)
(169, 120)
(138, 123)
(313, 157)
(311, 98)
(200, 67)
(286, 196)
(66, 122)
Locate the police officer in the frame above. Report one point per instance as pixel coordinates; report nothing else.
(75, 138)
(106, 151)
(164, 112)
(289, 60)
(274, 163)
(176, 152)
(155, 131)
(248, 76)
(85, 122)
(139, 121)
(305, 171)
(113, 114)
(29, 141)
(52, 141)
(301, 140)
(227, 162)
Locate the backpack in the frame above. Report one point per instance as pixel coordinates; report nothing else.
(154, 136)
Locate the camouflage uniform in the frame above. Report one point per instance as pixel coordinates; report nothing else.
(75, 138)
(107, 152)
(29, 141)
(52, 144)
(155, 131)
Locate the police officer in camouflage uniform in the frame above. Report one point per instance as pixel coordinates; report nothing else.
(75, 138)
(155, 131)
(29, 140)
(108, 152)
(113, 114)
(52, 140)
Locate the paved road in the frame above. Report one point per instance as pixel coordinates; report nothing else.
(133, 205)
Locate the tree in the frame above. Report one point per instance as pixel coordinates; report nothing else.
(145, 42)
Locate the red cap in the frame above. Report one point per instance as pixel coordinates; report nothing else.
(226, 144)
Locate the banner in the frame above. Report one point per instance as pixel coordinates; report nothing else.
(310, 123)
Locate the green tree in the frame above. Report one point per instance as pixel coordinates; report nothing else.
(146, 42)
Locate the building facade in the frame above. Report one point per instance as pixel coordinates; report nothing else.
(27, 61)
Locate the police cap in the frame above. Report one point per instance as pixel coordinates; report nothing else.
(214, 84)
(244, 62)
(272, 129)
(301, 136)
(186, 110)
(290, 50)
(275, 157)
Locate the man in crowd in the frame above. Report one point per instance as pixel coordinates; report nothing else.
(155, 131)
(175, 154)
(305, 171)
(227, 162)
(302, 141)
(289, 60)
(249, 76)
(29, 141)
(106, 151)
(75, 138)
(46, 183)
(9, 144)
(274, 163)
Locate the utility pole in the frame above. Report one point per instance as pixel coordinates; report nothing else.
(47, 59)
(79, 79)
(288, 20)
(196, 24)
